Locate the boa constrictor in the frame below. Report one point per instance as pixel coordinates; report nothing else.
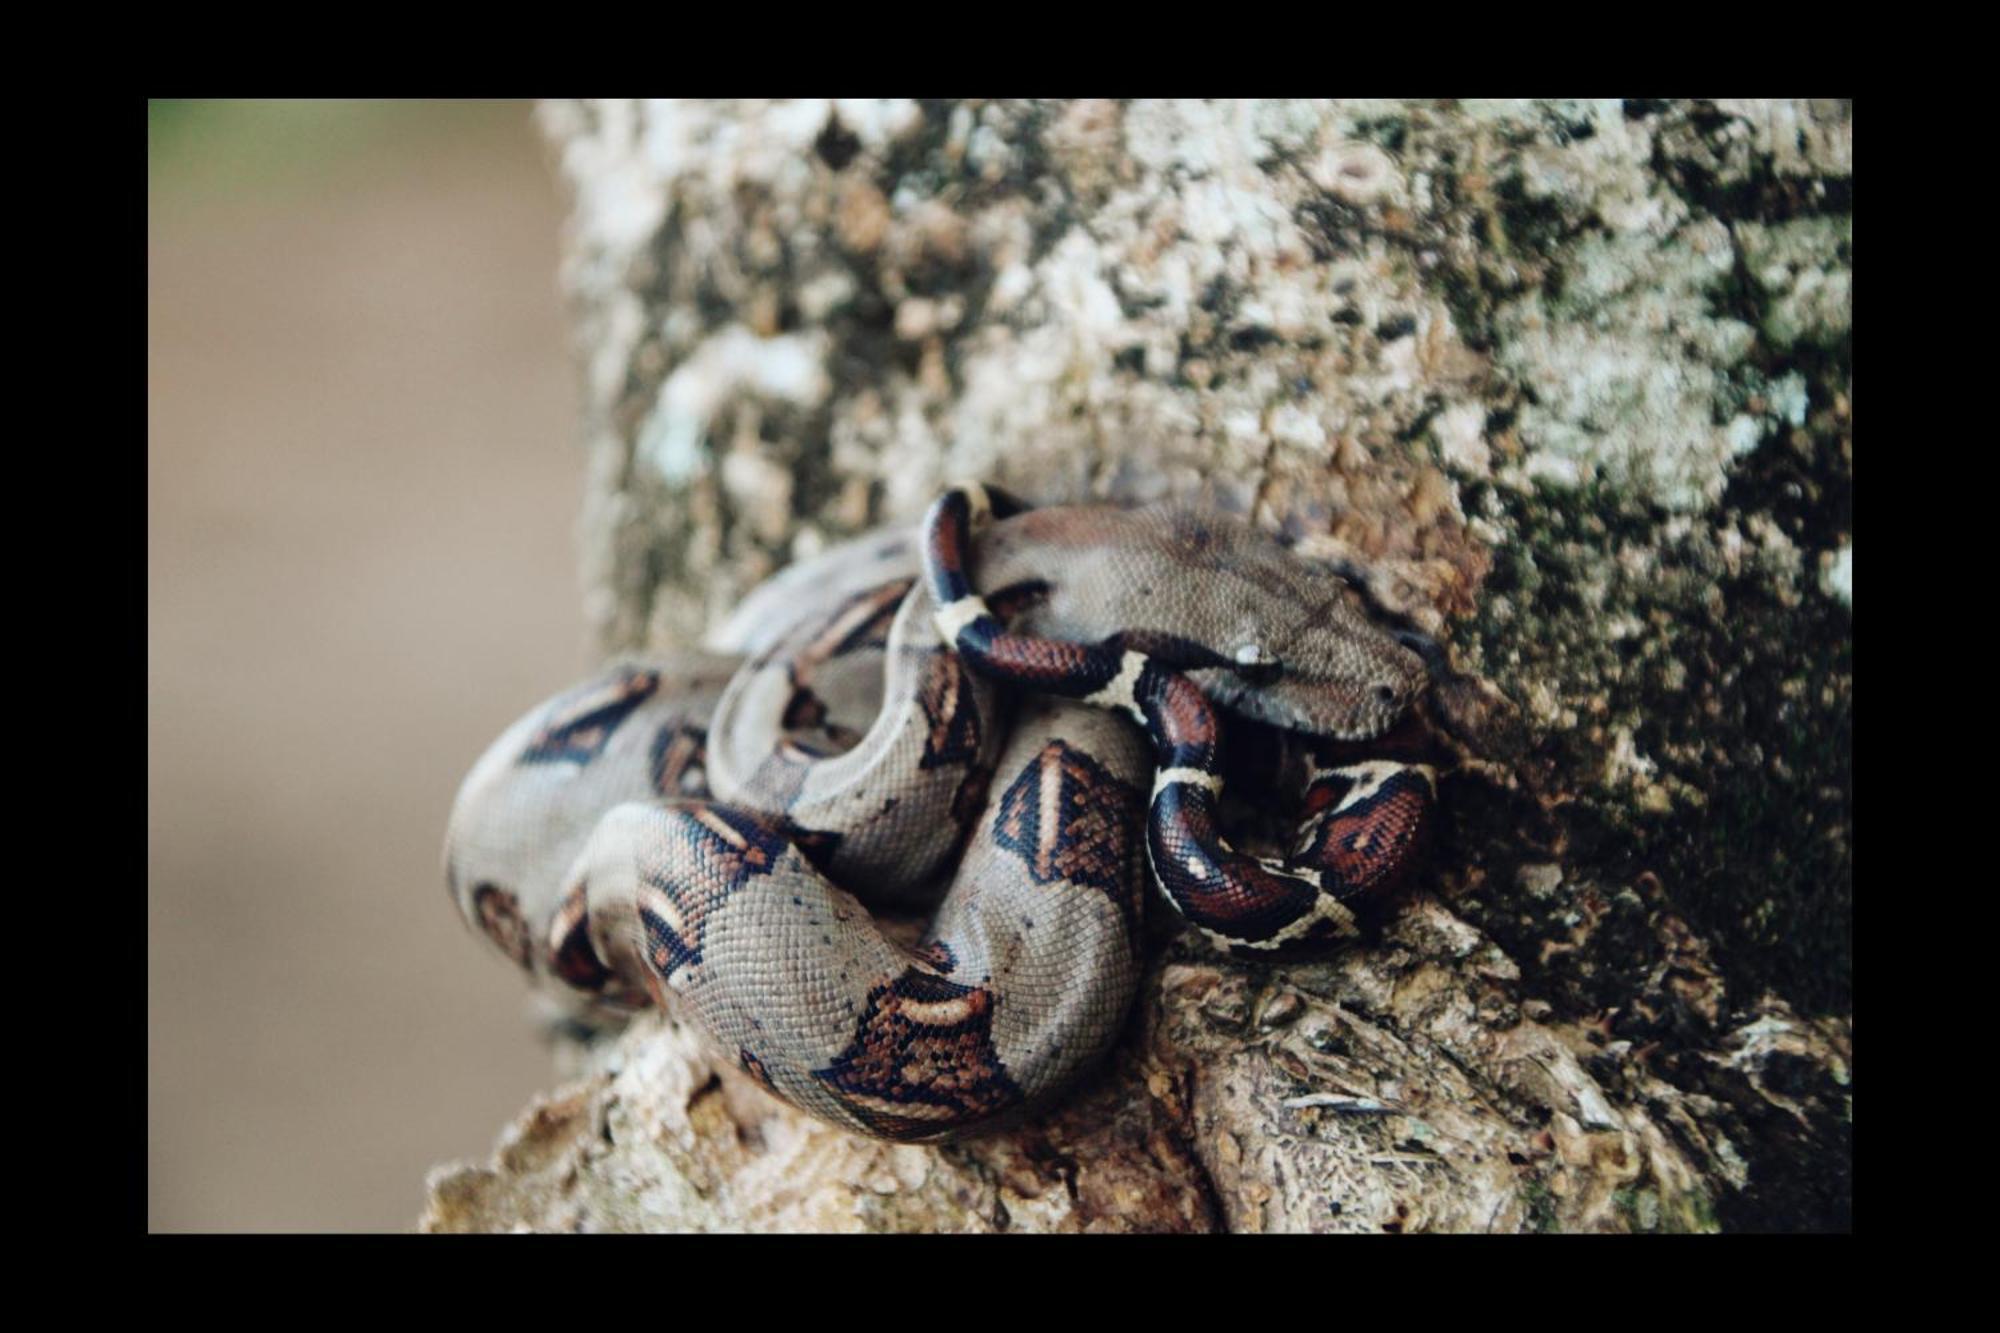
(720, 825)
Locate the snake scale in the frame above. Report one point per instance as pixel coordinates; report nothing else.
(880, 737)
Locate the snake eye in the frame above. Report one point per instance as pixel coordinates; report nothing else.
(1253, 666)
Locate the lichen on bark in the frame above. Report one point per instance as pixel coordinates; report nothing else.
(1571, 379)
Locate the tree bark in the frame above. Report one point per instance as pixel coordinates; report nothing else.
(1572, 380)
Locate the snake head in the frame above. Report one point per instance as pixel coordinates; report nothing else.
(1313, 661)
(1263, 632)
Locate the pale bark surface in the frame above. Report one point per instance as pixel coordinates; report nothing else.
(1571, 379)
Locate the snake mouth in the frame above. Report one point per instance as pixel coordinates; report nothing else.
(1313, 710)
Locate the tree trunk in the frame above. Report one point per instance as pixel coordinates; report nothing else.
(1571, 379)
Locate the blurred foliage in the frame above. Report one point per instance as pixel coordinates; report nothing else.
(199, 150)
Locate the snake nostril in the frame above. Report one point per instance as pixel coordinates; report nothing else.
(1385, 695)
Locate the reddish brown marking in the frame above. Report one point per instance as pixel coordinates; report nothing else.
(581, 723)
(1369, 848)
(1225, 892)
(500, 917)
(679, 757)
(947, 698)
(863, 623)
(1027, 659)
(704, 854)
(570, 956)
(945, 548)
(1072, 821)
(922, 1061)
(1184, 715)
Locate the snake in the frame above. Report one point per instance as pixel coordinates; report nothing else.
(888, 839)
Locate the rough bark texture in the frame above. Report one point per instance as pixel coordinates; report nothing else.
(1572, 379)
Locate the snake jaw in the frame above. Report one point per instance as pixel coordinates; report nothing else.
(1332, 709)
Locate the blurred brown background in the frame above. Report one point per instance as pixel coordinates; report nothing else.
(363, 479)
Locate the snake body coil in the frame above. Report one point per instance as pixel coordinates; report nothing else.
(703, 824)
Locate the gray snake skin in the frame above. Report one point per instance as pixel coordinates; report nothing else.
(875, 737)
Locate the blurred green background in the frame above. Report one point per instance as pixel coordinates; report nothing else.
(363, 478)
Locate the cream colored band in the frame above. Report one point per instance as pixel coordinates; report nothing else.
(957, 616)
(1120, 693)
(1193, 777)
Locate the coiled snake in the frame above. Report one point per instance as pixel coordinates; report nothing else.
(713, 824)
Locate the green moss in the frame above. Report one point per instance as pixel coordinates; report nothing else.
(1694, 1212)
(1697, 154)
(1735, 689)
(1532, 224)
(1541, 1206)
